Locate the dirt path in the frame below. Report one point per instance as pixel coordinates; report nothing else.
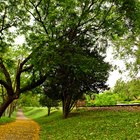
(22, 129)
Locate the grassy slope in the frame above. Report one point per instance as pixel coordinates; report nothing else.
(87, 125)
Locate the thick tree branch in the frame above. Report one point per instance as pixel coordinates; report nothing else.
(5, 72)
(2, 82)
(19, 71)
(7, 87)
(25, 61)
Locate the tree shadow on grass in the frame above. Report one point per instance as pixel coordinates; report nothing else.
(74, 114)
(101, 114)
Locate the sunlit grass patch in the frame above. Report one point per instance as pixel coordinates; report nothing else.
(36, 112)
(4, 120)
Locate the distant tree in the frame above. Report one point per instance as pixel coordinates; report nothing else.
(134, 88)
(121, 88)
(127, 91)
(48, 102)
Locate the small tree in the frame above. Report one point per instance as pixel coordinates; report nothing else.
(48, 102)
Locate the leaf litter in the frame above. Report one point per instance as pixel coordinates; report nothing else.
(21, 129)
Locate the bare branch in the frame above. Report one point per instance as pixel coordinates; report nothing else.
(39, 19)
(2, 82)
(47, 10)
(38, 3)
(91, 19)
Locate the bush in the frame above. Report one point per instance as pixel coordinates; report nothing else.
(105, 100)
(89, 102)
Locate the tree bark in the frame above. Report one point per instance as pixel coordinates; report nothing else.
(65, 113)
(11, 109)
(49, 110)
(66, 106)
(5, 104)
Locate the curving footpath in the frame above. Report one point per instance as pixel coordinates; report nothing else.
(22, 129)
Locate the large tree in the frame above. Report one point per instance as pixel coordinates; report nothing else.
(58, 33)
(15, 64)
(74, 36)
(75, 72)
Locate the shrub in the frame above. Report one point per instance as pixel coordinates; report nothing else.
(89, 101)
(105, 100)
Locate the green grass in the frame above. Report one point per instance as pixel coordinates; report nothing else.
(87, 125)
(6, 119)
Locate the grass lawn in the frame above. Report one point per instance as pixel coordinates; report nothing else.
(87, 124)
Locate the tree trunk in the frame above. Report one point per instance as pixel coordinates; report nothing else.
(2, 91)
(65, 113)
(11, 109)
(66, 107)
(5, 104)
(3, 97)
(49, 110)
